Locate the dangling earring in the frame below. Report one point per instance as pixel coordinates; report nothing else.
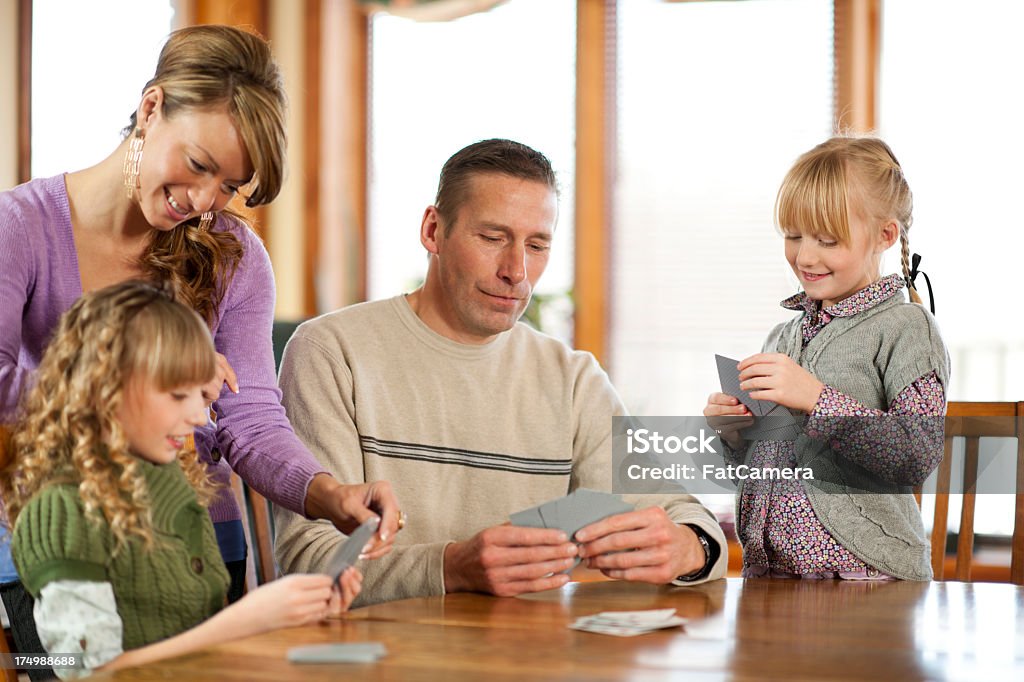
(131, 162)
(206, 221)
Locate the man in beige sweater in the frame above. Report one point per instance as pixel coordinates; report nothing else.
(473, 416)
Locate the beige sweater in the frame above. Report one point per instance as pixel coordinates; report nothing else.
(467, 435)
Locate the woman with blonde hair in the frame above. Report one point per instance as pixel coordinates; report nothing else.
(110, 531)
(210, 124)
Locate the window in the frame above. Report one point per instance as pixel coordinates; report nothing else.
(90, 61)
(438, 86)
(715, 102)
(950, 116)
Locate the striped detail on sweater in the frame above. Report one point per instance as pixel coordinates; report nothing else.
(468, 458)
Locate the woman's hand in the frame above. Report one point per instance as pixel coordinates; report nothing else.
(347, 506)
(225, 374)
(776, 377)
(728, 416)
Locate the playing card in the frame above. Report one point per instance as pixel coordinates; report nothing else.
(574, 511)
(348, 554)
(729, 377)
(549, 515)
(628, 623)
(618, 631)
(637, 617)
(340, 652)
(778, 424)
(584, 507)
(528, 518)
(771, 420)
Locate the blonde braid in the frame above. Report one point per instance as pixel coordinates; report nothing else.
(905, 260)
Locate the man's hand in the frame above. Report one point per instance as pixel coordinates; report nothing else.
(508, 560)
(777, 377)
(347, 506)
(644, 545)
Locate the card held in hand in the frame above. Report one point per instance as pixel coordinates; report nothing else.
(771, 420)
(569, 514)
(348, 554)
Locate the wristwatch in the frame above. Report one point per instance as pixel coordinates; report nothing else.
(711, 552)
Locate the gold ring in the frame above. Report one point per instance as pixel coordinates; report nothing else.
(401, 520)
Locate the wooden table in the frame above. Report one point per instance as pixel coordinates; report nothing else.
(745, 630)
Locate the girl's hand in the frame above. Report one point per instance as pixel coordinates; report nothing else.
(287, 602)
(776, 377)
(294, 600)
(350, 584)
(728, 416)
(225, 374)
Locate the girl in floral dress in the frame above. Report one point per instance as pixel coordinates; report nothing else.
(867, 368)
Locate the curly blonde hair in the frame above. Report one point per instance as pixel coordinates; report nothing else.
(69, 431)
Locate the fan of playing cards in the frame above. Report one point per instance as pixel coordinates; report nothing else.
(579, 508)
(628, 623)
(781, 423)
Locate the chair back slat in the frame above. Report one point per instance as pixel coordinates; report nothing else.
(965, 540)
(973, 421)
(260, 566)
(7, 674)
(262, 535)
(941, 518)
(1017, 551)
(238, 489)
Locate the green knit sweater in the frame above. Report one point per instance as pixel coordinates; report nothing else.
(160, 592)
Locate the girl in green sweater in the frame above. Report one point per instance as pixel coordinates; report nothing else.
(111, 535)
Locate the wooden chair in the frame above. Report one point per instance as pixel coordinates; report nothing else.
(6, 639)
(258, 534)
(973, 421)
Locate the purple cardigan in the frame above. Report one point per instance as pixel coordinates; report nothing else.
(39, 280)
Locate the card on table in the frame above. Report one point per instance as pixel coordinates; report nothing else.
(781, 423)
(348, 554)
(628, 623)
(338, 652)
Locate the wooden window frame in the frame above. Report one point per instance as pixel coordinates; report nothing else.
(595, 158)
(24, 90)
(856, 40)
(856, 45)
